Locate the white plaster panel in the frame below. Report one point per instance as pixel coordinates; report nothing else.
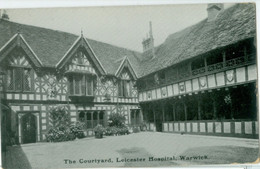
(38, 97)
(182, 128)
(170, 127)
(188, 127)
(182, 85)
(9, 96)
(31, 97)
(43, 114)
(194, 127)
(256, 127)
(158, 92)
(238, 128)
(44, 127)
(227, 127)
(230, 77)
(140, 96)
(169, 90)
(176, 126)
(165, 126)
(73, 113)
(211, 81)
(220, 79)
(44, 97)
(164, 92)
(188, 85)
(153, 94)
(73, 119)
(248, 127)
(210, 127)
(24, 96)
(241, 74)
(43, 120)
(202, 127)
(252, 74)
(175, 89)
(26, 108)
(218, 127)
(16, 96)
(195, 84)
(144, 96)
(203, 82)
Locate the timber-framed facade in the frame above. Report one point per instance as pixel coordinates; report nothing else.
(201, 80)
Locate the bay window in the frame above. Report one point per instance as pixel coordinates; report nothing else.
(19, 79)
(81, 85)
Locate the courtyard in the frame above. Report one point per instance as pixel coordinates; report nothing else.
(145, 149)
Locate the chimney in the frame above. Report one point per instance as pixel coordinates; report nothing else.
(148, 42)
(3, 14)
(214, 10)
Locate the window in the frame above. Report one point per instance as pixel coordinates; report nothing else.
(19, 79)
(81, 85)
(92, 119)
(124, 88)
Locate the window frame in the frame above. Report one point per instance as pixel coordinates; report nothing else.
(122, 88)
(83, 88)
(12, 75)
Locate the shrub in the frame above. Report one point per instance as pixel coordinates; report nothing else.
(116, 120)
(62, 129)
(99, 130)
(136, 130)
(77, 129)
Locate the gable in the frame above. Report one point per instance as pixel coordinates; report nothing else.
(18, 46)
(126, 70)
(81, 49)
(80, 62)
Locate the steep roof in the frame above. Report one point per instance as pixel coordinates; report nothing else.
(51, 45)
(231, 25)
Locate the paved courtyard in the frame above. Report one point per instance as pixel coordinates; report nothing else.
(146, 149)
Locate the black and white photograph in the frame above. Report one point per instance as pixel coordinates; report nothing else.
(129, 86)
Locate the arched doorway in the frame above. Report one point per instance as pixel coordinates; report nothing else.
(29, 128)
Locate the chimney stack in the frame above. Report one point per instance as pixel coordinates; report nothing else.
(213, 10)
(148, 42)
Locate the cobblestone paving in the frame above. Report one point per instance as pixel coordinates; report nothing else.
(146, 149)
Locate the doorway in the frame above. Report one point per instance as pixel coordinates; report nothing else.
(29, 128)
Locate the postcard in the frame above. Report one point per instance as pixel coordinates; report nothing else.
(129, 86)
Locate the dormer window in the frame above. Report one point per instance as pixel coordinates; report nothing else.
(19, 79)
(80, 84)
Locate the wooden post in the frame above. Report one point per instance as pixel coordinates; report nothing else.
(199, 108)
(185, 110)
(98, 116)
(205, 64)
(224, 58)
(154, 120)
(214, 106)
(134, 111)
(163, 111)
(245, 54)
(173, 111)
(92, 120)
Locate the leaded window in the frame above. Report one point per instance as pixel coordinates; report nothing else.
(81, 85)
(19, 79)
(124, 88)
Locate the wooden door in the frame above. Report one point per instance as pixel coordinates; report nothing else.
(29, 128)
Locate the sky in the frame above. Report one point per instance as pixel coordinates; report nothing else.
(123, 26)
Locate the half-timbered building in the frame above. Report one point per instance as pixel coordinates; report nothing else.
(201, 80)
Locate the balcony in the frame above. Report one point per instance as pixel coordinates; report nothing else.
(81, 98)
